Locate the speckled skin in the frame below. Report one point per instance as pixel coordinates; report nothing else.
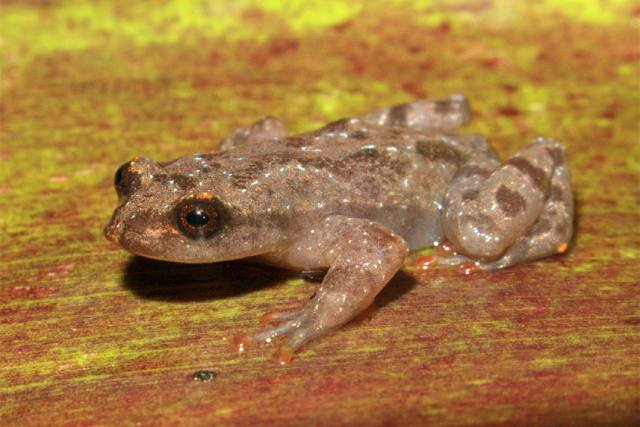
(354, 197)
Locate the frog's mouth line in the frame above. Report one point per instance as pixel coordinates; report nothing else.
(133, 242)
(115, 232)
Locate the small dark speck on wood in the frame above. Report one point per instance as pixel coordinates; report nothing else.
(204, 376)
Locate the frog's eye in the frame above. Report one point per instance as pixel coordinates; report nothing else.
(117, 179)
(125, 180)
(198, 218)
(134, 174)
(120, 178)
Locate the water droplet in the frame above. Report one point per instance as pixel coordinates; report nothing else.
(425, 262)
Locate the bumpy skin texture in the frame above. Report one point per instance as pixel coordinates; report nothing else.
(352, 197)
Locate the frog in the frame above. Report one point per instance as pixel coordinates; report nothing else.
(352, 198)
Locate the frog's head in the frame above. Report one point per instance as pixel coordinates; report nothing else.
(168, 214)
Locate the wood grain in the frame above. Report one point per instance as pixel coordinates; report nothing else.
(92, 336)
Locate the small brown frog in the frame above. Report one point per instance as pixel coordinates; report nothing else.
(353, 197)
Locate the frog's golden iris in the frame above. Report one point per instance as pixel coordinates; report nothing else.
(198, 218)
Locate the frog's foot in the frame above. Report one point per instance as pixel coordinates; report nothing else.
(448, 257)
(362, 257)
(519, 211)
(296, 326)
(428, 115)
(465, 264)
(266, 128)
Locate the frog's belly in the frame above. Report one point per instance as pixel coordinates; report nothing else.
(426, 232)
(420, 227)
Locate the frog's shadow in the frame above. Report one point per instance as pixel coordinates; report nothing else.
(173, 282)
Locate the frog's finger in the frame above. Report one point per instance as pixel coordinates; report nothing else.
(276, 317)
(278, 331)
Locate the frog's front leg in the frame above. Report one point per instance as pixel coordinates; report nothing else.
(501, 215)
(266, 128)
(362, 256)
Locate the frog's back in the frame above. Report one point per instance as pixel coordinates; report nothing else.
(392, 175)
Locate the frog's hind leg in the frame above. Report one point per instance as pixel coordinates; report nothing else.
(428, 115)
(266, 128)
(519, 211)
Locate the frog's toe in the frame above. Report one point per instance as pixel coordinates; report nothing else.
(447, 256)
(284, 355)
(270, 334)
(243, 341)
(277, 317)
(297, 337)
(451, 260)
(465, 264)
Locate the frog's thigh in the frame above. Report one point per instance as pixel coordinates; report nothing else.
(430, 115)
(514, 212)
(266, 128)
(362, 257)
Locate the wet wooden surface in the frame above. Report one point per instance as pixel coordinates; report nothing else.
(92, 336)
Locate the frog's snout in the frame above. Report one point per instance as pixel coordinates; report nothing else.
(111, 230)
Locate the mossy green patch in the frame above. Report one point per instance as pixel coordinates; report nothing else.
(480, 381)
(631, 253)
(595, 11)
